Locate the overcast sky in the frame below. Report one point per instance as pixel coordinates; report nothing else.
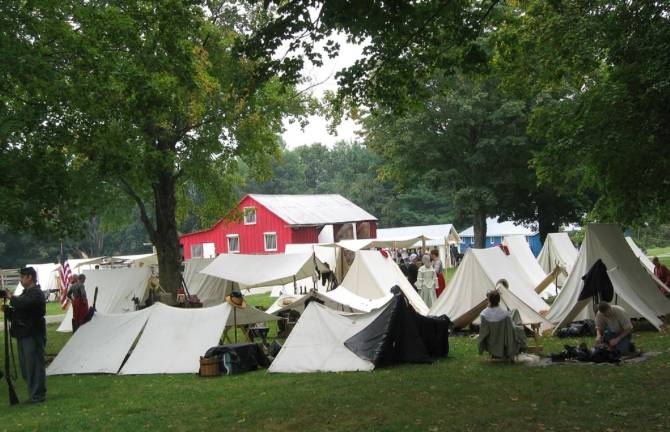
(316, 131)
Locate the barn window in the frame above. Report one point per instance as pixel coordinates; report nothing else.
(250, 215)
(233, 243)
(196, 251)
(208, 250)
(270, 241)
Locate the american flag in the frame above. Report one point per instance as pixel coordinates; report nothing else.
(65, 274)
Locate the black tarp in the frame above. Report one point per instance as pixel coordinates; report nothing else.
(400, 335)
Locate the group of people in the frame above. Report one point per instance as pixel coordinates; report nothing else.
(426, 274)
(613, 326)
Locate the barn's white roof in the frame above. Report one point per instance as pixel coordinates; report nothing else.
(313, 209)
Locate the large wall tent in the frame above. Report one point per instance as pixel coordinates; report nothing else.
(558, 250)
(478, 273)
(116, 289)
(634, 289)
(163, 340)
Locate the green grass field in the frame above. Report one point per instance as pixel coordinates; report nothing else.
(465, 392)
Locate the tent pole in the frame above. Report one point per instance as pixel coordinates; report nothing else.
(295, 286)
(235, 322)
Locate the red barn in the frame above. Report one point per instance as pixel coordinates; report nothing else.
(270, 222)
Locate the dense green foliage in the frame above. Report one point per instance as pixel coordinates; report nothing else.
(351, 170)
(133, 102)
(598, 74)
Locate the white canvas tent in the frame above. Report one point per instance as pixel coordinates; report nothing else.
(210, 290)
(634, 289)
(116, 289)
(101, 345)
(264, 270)
(174, 338)
(316, 344)
(558, 250)
(369, 281)
(47, 277)
(171, 340)
(478, 273)
(150, 259)
(520, 251)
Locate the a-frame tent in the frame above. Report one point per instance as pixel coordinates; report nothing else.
(369, 280)
(478, 273)
(558, 250)
(520, 251)
(325, 340)
(634, 289)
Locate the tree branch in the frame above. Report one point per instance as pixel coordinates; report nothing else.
(144, 216)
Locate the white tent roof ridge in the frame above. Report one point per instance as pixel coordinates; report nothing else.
(263, 270)
(316, 209)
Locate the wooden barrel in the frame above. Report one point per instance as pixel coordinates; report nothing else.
(209, 366)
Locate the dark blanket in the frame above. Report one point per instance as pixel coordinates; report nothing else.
(243, 357)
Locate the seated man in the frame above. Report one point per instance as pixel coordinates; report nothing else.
(498, 334)
(613, 327)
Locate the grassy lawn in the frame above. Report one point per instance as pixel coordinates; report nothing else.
(465, 392)
(53, 308)
(658, 251)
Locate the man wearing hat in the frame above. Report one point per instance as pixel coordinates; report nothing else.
(30, 330)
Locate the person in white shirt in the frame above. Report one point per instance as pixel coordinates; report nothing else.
(493, 312)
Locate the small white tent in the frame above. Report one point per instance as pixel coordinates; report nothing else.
(316, 344)
(174, 338)
(558, 250)
(101, 345)
(370, 280)
(116, 289)
(634, 289)
(477, 274)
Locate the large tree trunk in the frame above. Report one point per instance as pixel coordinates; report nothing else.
(479, 226)
(166, 238)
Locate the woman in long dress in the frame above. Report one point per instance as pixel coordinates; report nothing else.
(426, 281)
